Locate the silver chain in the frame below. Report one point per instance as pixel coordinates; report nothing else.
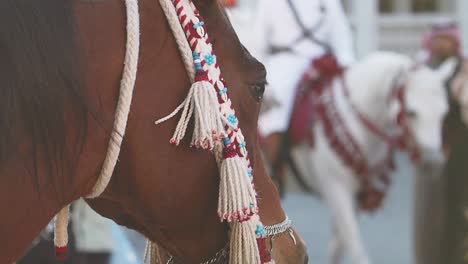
(220, 257)
(270, 231)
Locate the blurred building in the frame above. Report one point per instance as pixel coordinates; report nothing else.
(399, 24)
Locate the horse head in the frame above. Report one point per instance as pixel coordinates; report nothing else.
(167, 193)
(426, 107)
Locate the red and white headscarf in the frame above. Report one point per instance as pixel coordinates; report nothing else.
(448, 29)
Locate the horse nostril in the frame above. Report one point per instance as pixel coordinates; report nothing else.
(306, 259)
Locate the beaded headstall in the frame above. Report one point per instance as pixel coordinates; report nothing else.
(216, 128)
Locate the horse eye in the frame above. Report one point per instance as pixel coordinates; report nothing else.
(257, 91)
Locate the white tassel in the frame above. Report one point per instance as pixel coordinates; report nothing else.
(202, 103)
(237, 197)
(61, 233)
(243, 243)
(153, 254)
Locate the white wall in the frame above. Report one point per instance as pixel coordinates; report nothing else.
(462, 9)
(364, 13)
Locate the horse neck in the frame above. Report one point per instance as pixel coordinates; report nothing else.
(24, 209)
(372, 98)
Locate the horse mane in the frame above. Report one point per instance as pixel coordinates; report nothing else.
(41, 91)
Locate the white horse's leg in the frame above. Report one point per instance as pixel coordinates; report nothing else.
(341, 203)
(338, 187)
(336, 248)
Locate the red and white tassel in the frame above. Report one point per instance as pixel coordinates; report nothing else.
(243, 242)
(237, 198)
(201, 103)
(61, 233)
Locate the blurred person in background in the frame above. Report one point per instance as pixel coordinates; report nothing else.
(455, 243)
(446, 43)
(288, 36)
(440, 221)
(440, 43)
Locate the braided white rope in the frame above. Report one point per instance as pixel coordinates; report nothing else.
(179, 35)
(61, 226)
(125, 99)
(120, 123)
(184, 50)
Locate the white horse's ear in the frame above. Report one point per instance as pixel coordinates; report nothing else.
(447, 69)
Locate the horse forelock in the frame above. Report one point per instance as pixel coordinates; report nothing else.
(41, 90)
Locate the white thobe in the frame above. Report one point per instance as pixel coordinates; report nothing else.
(271, 24)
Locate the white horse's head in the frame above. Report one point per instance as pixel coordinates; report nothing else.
(426, 106)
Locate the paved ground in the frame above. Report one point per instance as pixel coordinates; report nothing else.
(386, 235)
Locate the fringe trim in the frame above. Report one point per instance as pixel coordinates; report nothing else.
(243, 242)
(237, 198)
(201, 103)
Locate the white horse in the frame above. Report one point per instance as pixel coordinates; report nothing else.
(372, 85)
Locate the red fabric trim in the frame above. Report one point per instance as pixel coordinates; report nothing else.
(61, 253)
(265, 254)
(320, 74)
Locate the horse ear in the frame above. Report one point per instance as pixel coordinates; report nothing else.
(447, 69)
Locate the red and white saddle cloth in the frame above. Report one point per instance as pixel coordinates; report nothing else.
(316, 79)
(315, 102)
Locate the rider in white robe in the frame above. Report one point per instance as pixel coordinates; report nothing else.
(273, 26)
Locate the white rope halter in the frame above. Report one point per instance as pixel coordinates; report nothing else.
(216, 127)
(121, 116)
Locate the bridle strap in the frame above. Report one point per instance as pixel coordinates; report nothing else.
(392, 140)
(127, 86)
(309, 34)
(179, 35)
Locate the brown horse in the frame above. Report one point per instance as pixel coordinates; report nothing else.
(61, 65)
